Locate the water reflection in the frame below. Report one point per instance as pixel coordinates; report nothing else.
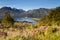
(25, 19)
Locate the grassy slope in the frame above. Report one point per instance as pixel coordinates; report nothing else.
(30, 33)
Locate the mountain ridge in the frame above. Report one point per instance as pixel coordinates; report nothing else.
(35, 13)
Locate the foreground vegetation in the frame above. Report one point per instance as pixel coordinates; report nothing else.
(47, 28)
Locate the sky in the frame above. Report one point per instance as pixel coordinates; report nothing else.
(30, 4)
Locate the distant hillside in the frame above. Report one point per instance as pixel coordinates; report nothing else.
(35, 13)
(13, 11)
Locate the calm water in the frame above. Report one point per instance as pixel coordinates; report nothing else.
(25, 19)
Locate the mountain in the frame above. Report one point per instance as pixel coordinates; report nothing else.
(13, 11)
(35, 13)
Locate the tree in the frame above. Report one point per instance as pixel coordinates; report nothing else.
(7, 20)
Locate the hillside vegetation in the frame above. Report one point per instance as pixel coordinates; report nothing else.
(52, 19)
(47, 27)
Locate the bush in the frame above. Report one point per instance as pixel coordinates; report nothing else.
(52, 19)
(7, 20)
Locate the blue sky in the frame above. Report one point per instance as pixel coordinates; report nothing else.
(30, 4)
